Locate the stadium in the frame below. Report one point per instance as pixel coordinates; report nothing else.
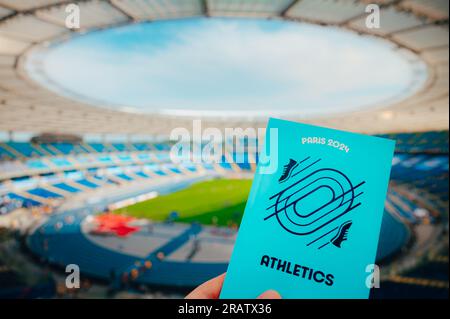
(87, 179)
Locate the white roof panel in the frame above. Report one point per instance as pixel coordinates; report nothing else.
(29, 28)
(391, 20)
(436, 56)
(247, 8)
(423, 38)
(11, 47)
(433, 9)
(92, 14)
(4, 12)
(7, 60)
(22, 5)
(326, 11)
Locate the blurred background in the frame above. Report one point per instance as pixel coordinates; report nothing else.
(86, 112)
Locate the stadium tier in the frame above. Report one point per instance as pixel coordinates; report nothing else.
(66, 171)
(427, 142)
(20, 150)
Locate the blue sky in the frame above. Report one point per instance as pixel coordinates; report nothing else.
(229, 66)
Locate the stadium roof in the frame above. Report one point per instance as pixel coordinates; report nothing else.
(417, 26)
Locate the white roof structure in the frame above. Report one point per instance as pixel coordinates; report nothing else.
(413, 26)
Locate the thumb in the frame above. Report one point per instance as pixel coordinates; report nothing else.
(269, 294)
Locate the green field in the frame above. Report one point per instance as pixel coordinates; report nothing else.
(220, 202)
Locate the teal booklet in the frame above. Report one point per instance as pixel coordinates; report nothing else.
(312, 221)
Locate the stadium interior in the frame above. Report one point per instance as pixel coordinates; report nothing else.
(67, 200)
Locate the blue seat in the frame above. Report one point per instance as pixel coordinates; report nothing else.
(50, 150)
(26, 202)
(66, 187)
(5, 154)
(25, 148)
(142, 174)
(174, 169)
(124, 176)
(60, 161)
(120, 147)
(105, 159)
(124, 158)
(159, 172)
(161, 147)
(144, 156)
(208, 166)
(141, 146)
(87, 183)
(190, 167)
(225, 164)
(99, 147)
(42, 192)
(64, 148)
(36, 164)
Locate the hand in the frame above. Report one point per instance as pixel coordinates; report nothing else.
(211, 290)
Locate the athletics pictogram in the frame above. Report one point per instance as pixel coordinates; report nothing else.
(314, 201)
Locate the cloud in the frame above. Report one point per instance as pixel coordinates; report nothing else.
(230, 66)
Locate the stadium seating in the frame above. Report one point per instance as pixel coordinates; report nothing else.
(87, 183)
(429, 142)
(417, 195)
(424, 166)
(25, 149)
(142, 174)
(125, 177)
(36, 164)
(394, 235)
(24, 201)
(419, 181)
(42, 192)
(6, 154)
(8, 204)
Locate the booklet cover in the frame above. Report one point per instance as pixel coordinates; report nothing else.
(312, 221)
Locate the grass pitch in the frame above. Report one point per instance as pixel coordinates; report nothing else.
(220, 202)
